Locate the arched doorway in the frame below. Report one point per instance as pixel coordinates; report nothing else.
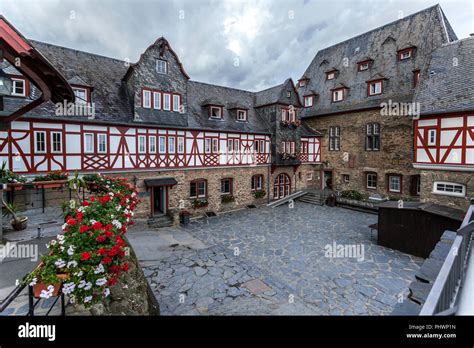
(281, 186)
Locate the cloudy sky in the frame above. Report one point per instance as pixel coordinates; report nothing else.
(238, 43)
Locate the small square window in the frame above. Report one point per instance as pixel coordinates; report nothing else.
(375, 88)
(371, 181)
(337, 95)
(18, 87)
(364, 66)
(330, 76)
(80, 94)
(161, 66)
(242, 115)
(216, 112)
(346, 178)
(308, 101)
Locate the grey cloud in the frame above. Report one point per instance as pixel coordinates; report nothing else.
(273, 40)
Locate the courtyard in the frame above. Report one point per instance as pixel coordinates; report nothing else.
(274, 261)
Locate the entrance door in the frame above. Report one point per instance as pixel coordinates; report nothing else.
(327, 180)
(281, 186)
(159, 200)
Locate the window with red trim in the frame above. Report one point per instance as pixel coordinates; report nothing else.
(405, 54)
(215, 111)
(257, 182)
(226, 186)
(198, 188)
(374, 87)
(241, 115)
(338, 95)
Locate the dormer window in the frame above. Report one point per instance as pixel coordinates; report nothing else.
(81, 95)
(288, 94)
(215, 112)
(308, 101)
(364, 65)
(338, 95)
(406, 53)
(374, 87)
(18, 87)
(161, 66)
(330, 75)
(241, 115)
(302, 83)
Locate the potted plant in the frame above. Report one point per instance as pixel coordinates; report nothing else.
(259, 194)
(18, 223)
(92, 181)
(53, 179)
(47, 281)
(184, 217)
(14, 181)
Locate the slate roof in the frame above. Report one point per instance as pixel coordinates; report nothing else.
(448, 83)
(426, 30)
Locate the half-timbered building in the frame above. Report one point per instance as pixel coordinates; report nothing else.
(444, 134)
(184, 143)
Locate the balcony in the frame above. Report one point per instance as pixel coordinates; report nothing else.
(281, 159)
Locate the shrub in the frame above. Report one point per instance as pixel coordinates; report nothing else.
(259, 194)
(352, 194)
(199, 203)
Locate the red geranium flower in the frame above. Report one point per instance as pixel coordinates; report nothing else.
(125, 266)
(101, 238)
(85, 204)
(85, 256)
(106, 260)
(83, 228)
(112, 281)
(97, 225)
(71, 222)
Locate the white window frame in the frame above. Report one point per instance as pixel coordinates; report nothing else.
(237, 145)
(215, 108)
(230, 145)
(104, 137)
(367, 181)
(146, 98)
(90, 148)
(162, 144)
(180, 144)
(37, 149)
(335, 95)
(431, 133)
(152, 144)
(166, 101)
(157, 100)
(14, 82)
(160, 63)
(176, 102)
(141, 144)
(241, 112)
(215, 145)
(308, 101)
(60, 142)
(331, 76)
(207, 145)
(438, 184)
(405, 55)
(171, 144)
(399, 178)
(78, 99)
(364, 66)
(374, 85)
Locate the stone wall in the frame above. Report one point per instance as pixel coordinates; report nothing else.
(396, 140)
(428, 177)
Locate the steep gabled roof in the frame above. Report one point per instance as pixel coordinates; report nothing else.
(426, 29)
(448, 84)
(277, 95)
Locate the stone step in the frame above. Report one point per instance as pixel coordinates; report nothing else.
(160, 221)
(429, 270)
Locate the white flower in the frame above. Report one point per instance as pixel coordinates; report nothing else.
(61, 248)
(106, 292)
(70, 251)
(101, 281)
(82, 283)
(87, 299)
(60, 237)
(79, 274)
(68, 287)
(81, 209)
(60, 263)
(99, 269)
(92, 222)
(47, 293)
(134, 194)
(53, 242)
(88, 286)
(33, 282)
(117, 224)
(118, 208)
(71, 264)
(64, 226)
(111, 194)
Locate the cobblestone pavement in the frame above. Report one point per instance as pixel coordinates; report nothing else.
(204, 267)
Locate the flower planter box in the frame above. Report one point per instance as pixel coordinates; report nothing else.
(37, 288)
(92, 186)
(49, 184)
(14, 187)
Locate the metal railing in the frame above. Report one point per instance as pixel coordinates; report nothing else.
(443, 296)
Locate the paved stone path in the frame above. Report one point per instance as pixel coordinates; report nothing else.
(203, 268)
